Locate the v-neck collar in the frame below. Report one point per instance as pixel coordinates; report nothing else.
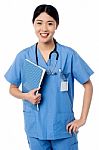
(61, 60)
(41, 60)
(46, 65)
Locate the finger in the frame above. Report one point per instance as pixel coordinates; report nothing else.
(37, 100)
(38, 96)
(68, 126)
(70, 129)
(75, 128)
(35, 90)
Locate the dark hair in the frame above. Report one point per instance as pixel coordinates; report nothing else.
(49, 9)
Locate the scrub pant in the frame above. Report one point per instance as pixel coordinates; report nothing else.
(59, 144)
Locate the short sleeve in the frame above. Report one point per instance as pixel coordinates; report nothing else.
(13, 75)
(80, 69)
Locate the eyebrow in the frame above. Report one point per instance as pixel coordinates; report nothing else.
(47, 21)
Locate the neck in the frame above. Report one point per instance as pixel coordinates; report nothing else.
(49, 46)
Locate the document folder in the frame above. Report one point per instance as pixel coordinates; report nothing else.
(33, 75)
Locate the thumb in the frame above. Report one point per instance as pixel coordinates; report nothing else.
(35, 90)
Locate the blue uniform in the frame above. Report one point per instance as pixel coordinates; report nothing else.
(56, 107)
(59, 144)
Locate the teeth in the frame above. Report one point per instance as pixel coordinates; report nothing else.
(44, 34)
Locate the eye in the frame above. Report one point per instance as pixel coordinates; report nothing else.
(50, 23)
(39, 23)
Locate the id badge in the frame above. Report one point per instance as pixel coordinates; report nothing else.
(64, 86)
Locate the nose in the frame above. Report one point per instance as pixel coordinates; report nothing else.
(44, 27)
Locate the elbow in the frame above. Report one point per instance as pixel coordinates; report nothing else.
(12, 89)
(88, 86)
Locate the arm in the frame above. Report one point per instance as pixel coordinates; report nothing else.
(88, 90)
(30, 96)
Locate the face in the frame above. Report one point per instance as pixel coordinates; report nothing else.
(45, 27)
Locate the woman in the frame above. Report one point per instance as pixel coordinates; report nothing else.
(54, 126)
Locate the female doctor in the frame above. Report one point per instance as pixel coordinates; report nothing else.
(52, 126)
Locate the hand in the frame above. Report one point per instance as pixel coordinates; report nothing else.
(32, 97)
(75, 125)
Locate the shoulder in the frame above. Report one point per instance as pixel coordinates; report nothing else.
(26, 53)
(66, 50)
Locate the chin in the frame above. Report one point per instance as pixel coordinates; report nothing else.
(45, 41)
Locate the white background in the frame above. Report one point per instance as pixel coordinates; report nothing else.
(79, 29)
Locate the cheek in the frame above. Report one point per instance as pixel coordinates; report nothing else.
(52, 33)
(52, 30)
(37, 30)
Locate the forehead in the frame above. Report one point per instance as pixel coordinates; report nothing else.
(45, 17)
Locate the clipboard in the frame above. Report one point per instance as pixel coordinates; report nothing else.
(33, 75)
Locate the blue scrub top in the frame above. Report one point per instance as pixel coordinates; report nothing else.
(56, 107)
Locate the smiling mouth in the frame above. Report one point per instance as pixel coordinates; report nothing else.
(44, 34)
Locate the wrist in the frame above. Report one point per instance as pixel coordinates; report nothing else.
(25, 96)
(83, 120)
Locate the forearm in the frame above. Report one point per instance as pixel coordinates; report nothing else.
(14, 91)
(86, 100)
(76, 124)
(30, 96)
